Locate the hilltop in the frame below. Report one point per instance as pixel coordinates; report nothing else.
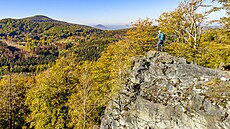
(40, 27)
(40, 18)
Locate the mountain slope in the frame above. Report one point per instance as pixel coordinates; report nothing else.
(32, 44)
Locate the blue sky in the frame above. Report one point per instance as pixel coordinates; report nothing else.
(88, 12)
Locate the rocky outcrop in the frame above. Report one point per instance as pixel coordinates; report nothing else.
(165, 92)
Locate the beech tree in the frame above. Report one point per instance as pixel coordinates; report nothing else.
(184, 23)
(86, 101)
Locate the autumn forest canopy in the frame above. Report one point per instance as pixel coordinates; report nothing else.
(55, 74)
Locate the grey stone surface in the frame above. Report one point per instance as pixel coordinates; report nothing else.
(165, 92)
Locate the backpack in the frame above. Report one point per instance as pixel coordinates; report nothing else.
(162, 36)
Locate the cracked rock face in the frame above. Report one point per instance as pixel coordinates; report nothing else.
(165, 92)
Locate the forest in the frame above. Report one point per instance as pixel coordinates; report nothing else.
(57, 75)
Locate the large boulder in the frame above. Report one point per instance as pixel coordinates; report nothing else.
(165, 92)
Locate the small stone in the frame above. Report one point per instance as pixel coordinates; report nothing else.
(122, 121)
(204, 79)
(224, 79)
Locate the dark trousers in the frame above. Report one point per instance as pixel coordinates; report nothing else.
(160, 43)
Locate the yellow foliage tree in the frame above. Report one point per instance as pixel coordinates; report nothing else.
(13, 110)
(86, 103)
(47, 99)
(184, 23)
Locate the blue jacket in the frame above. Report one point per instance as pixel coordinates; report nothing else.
(161, 36)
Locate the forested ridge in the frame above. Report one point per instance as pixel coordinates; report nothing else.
(62, 75)
(33, 44)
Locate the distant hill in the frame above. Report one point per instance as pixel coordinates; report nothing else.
(40, 18)
(39, 26)
(211, 27)
(112, 27)
(45, 19)
(102, 27)
(119, 27)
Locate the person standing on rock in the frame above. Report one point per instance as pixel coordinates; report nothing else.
(161, 39)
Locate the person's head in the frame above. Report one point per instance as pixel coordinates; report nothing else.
(159, 31)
